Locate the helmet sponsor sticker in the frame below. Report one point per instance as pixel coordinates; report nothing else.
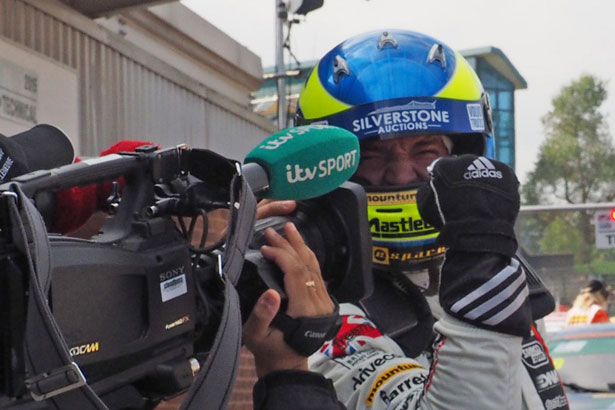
(418, 116)
(475, 116)
(400, 236)
(391, 198)
(394, 216)
(387, 256)
(415, 115)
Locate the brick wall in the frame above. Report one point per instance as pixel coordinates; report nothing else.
(241, 398)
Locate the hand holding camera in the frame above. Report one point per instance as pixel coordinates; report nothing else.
(307, 297)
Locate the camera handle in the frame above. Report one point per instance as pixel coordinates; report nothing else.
(58, 379)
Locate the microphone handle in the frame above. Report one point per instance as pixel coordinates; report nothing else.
(256, 176)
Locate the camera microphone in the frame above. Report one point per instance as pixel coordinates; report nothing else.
(302, 162)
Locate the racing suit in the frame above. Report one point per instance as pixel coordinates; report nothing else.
(471, 365)
(481, 342)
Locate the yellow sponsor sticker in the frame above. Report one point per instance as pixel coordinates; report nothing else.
(391, 198)
(380, 255)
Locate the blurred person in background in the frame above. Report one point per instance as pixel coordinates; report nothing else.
(590, 305)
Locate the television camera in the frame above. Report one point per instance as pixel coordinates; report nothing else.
(141, 312)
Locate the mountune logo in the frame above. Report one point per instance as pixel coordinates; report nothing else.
(482, 168)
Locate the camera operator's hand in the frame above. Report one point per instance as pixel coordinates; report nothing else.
(273, 207)
(307, 297)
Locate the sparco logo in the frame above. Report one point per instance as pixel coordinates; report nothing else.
(482, 168)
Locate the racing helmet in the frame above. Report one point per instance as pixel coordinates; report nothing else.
(393, 84)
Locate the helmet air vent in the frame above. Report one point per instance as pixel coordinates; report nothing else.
(387, 39)
(436, 53)
(340, 68)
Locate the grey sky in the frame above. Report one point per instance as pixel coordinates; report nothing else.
(550, 42)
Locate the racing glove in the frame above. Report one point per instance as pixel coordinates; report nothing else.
(474, 202)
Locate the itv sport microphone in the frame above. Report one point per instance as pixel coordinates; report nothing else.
(302, 162)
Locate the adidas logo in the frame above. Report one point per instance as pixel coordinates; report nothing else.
(482, 168)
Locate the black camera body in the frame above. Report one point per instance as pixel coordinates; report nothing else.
(125, 301)
(113, 303)
(138, 305)
(336, 229)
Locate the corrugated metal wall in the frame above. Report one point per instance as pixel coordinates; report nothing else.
(123, 94)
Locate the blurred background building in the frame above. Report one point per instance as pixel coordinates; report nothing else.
(122, 70)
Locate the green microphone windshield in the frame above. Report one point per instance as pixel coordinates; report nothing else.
(307, 161)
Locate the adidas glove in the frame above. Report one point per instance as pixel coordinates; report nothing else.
(474, 202)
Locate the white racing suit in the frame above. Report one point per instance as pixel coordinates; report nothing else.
(369, 370)
(474, 362)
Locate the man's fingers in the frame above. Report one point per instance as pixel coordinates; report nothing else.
(298, 244)
(256, 327)
(268, 207)
(276, 240)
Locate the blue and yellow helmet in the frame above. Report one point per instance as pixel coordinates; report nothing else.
(383, 83)
(398, 83)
